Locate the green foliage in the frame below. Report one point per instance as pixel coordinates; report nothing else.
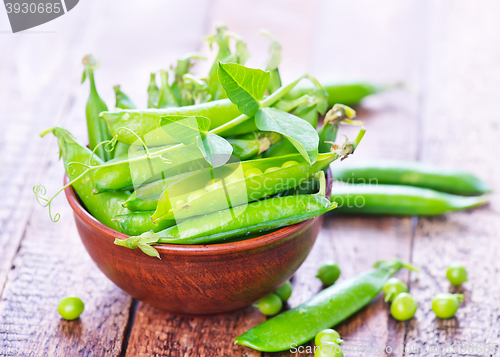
(244, 86)
(300, 133)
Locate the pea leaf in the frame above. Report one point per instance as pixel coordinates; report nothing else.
(184, 128)
(300, 133)
(244, 86)
(149, 237)
(214, 148)
(149, 250)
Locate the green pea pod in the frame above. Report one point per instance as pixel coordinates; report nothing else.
(104, 206)
(410, 173)
(235, 184)
(153, 93)
(308, 113)
(183, 67)
(221, 38)
(194, 90)
(255, 218)
(396, 200)
(248, 145)
(121, 173)
(324, 310)
(273, 62)
(97, 129)
(346, 93)
(284, 147)
(125, 175)
(184, 159)
(145, 198)
(137, 223)
(122, 100)
(166, 99)
(147, 124)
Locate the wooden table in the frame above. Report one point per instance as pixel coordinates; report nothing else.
(446, 52)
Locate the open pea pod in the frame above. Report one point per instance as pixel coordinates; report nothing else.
(145, 197)
(233, 223)
(235, 184)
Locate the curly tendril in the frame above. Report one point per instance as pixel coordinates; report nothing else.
(138, 138)
(40, 191)
(111, 144)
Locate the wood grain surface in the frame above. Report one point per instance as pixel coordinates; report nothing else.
(444, 51)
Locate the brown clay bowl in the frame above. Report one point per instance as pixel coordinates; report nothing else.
(198, 279)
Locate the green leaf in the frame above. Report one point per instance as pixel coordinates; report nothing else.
(244, 86)
(184, 128)
(215, 149)
(149, 237)
(300, 133)
(149, 250)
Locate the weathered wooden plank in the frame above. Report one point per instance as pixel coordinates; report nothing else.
(158, 333)
(43, 74)
(50, 262)
(460, 129)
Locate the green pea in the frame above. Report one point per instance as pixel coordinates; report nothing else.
(234, 176)
(284, 291)
(70, 307)
(393, 287)
(327, 335)
(271, 169)
(328, 273)
(456, 273)
(445, 305)
(403, 307)
(213, 185)
(270, 305)
(196, 194)
(290, 163)
(328, 349)
(253, 172)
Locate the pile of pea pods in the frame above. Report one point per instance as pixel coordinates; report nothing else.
(224, 156)
(236, 153)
